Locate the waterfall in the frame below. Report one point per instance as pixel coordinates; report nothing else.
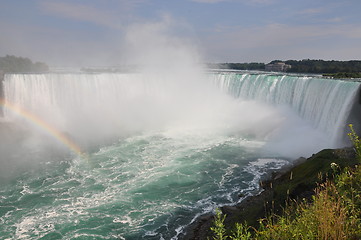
(116, 103)
(179, 145)
(325, 103)
(85, 105)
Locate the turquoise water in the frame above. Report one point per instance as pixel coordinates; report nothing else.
(159, 151)
(147, 186)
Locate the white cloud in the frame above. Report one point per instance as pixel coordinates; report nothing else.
(330, 13)
(284, 41)
(312, 11)
(250, 2)
(334, 20)
(87, 13)
(58, 47)
(208, 1)
(261, 1)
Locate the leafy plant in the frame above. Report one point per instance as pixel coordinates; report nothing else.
(219, 229)
(356, 142)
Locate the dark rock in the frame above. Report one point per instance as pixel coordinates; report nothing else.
(200, 229)
(296, 183)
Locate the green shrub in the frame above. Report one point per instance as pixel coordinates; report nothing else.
(356, 142)
(219, 229)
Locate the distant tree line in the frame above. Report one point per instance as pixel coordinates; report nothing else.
(237, 66)
(12, 64)
(114, 69)
(300, 66)
(322, 66)
(343, 75)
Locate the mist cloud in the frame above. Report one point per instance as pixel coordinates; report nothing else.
(156, 45)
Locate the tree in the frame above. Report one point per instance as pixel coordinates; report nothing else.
(20, 64)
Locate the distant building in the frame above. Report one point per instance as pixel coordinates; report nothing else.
(277, 67)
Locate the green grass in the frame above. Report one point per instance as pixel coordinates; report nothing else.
(333, 213)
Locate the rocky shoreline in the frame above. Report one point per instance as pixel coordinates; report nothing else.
(294, 183)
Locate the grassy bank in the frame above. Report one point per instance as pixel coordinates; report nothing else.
(332, 210)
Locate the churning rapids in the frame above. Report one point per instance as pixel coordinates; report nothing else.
(136, 156)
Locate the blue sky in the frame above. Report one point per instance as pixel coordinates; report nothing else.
(94, 32)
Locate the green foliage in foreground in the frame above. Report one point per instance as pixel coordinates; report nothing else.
(334, 213)
(356, 142)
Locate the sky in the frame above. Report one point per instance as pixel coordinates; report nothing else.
(96, 32)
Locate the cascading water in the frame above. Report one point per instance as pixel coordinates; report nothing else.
(323, 102)
(179, 148)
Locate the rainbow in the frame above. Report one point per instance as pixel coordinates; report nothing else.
(59, 136)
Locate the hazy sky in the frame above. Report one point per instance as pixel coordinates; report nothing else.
(93, 32)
